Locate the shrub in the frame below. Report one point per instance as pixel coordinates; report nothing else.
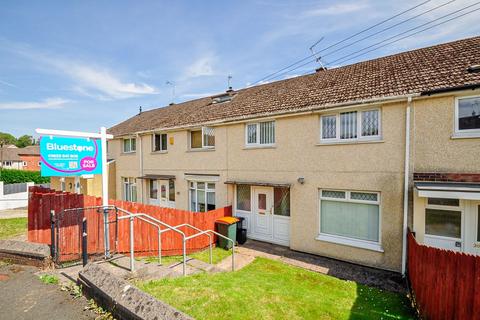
(17, 176)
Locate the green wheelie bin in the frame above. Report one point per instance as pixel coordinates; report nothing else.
(226, 226)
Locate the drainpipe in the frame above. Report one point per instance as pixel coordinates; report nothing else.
(406, 185)
(140, 153)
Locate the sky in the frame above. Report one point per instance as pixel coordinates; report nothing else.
(80, 65)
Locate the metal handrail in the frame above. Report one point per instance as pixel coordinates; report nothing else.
(132, 216)
(158, 224)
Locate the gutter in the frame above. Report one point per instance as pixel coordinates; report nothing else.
(450, 89)
(405, 186)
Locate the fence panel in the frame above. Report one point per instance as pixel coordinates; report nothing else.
(43, 200)
(14, 188)
(445, 284)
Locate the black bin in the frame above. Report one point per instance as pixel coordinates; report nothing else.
(241, 231)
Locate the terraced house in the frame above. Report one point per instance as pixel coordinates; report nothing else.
(335, 163)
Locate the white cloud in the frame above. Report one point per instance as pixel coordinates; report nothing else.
(8, 84)
(89, 79)
(203, 66)
(336, 9)
(50, 103)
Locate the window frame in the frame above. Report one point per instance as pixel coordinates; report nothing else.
(206, 190)
(473, 133)
(359, 137)
(127, 183)
(161, 150)
(344, 240)
(460, 208)
(204, 146)
(131, 150)
(258, 139)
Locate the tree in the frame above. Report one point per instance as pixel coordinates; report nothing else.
(24, 141)
(7, 138)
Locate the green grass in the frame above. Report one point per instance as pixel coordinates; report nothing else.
(218, 254)
(268, 289)
(48, 279)
(12, 227)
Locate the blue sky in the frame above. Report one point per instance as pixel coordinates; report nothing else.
(79, 65)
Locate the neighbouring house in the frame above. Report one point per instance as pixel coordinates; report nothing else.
(89, 184)
(30, 157)
(27, 158)
(335, 163)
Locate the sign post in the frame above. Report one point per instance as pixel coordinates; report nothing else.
(75, 153)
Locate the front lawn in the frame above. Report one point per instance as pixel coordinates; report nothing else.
(268, 289)
(12, 227)
(218, 254)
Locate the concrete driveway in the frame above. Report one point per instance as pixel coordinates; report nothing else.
(24, 296)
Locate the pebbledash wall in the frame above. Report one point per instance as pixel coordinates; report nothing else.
(359, 166)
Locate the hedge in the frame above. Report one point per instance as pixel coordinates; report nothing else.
(17, 176)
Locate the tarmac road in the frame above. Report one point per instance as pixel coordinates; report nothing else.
(24, 296)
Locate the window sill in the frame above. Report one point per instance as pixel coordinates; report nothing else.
(350, 242)
(201, 150)
(330, 143)
(260, 147)
(128, 153)
(159, 152)
(465, 135)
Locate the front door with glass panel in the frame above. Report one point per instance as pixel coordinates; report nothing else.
(153, 196)
(163, 192)
(262, 213)
(472, 225)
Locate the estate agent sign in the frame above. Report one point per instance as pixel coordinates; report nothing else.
(68, 156)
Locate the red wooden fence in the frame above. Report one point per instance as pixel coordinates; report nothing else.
(445, 284)
(42, 201)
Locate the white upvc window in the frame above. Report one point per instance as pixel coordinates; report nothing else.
(260, 134)
(201, 196)
(129, 145)
(351, 126)
(350, 218)
(129, 189)
(203, 138)
(159, 142)
(443, 218)
(467, 116)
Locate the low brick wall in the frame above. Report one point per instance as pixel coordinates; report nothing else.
(25, 253)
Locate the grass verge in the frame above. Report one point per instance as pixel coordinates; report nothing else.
(268, 289)
(12, 227)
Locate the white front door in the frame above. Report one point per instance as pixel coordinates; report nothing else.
(163, 192)
(262, 211)
(472, 225)
(153, 198)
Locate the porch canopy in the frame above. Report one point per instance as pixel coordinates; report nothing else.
(448, 190)
(157, 177)
(259, 183)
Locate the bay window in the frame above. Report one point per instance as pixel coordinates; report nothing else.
(351, 218)
(202, 196)
(351, 125)
(260, 134)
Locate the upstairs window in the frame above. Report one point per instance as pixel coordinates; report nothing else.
(203, 138)
(129, 145)
(467, 119)
(160, 142)
(352, 125)
(260, 134)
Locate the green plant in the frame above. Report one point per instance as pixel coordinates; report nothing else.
(49, 279)
(102, 314)
(18, 176)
